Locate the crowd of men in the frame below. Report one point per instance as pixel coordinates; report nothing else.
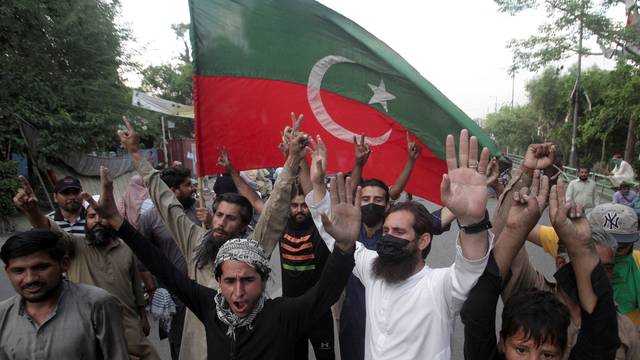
(351, 247)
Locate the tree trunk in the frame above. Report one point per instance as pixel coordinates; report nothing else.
(631, 140)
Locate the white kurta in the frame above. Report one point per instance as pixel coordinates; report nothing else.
(622, 172)
(413, 319)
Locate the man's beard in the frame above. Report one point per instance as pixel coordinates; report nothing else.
(300, 220)
(584, 178)
(187, 202)
(397, 270)
(71, 207)
(100, 235)
(207, 250)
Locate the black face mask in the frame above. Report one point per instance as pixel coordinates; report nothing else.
(100, 235)
(392, 248)
(372, 214)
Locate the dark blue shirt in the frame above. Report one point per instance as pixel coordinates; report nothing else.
(354, 316)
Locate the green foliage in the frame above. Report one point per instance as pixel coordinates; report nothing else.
(614, 97)
(513, 128)
(172, 82)
(558, 38)
(59, 70)
(8, 185)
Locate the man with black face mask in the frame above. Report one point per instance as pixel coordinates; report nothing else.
(411, 307)
(375, 201)
(303, 254)
(99, 258)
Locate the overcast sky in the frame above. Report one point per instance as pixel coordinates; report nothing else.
(459, 46)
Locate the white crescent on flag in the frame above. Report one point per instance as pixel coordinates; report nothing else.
(315, 102)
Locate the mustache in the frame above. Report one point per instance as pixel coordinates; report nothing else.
(32, 285)
(221, 230)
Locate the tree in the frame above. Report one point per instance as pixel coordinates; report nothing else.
(173, 82)
(513, 128)
(59, 70)
(571, 21)
(558, 39)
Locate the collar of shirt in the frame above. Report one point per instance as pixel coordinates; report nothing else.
(23, 313)
(369, 242)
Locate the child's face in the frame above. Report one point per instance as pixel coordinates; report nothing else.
(518, 347)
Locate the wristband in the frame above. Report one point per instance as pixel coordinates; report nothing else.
(483, 225)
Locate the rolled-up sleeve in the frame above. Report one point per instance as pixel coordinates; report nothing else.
(274, 216)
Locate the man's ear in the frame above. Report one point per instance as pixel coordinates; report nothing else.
(560, 262)
(64, 263)
(424, 240)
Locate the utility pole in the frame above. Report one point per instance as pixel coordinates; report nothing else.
(164, 143)
(513, 86)
(576, 98)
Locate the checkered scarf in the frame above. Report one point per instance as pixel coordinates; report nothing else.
(251, 253)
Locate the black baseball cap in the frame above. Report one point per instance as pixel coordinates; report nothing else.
(66, 183)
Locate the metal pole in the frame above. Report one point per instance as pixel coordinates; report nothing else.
(576, 101)
(513, 86)
(164, 143)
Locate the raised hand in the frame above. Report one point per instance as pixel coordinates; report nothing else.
(105, 207)
(25, 199)
(344, 224)
(528, 205)
(223, 160)
(129, 138)
(297, 146)
(567, 218)
(493, 171)
(539, 156)
(463, 189)
(413, 148)
(318, 168)
(362, 150)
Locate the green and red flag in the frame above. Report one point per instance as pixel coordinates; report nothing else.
(256, 61)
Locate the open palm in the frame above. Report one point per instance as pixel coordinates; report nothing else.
(344, 224)
(463, 189)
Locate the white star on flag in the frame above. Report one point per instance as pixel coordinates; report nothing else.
(380, 95)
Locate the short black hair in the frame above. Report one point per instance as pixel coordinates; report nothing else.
(377, 183)
(584, 166)
(422, 221)
(246, 210)
(29, 242)
(540, 316)
(174, 176)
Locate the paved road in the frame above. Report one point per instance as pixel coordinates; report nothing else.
(441, 255)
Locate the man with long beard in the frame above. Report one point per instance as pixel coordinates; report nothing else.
(231, 216)
(100, 259)
(303, 255)
(410, 307)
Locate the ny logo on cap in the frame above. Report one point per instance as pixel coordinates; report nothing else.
(611, 221)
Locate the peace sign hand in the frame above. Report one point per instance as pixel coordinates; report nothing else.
(362, 150)
(106, 206)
